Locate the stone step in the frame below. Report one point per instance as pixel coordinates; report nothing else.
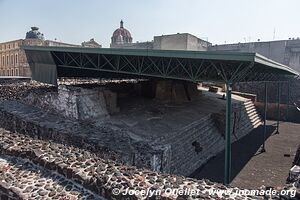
(252, 112)
(249, 126)
(254, 117)
(249, 108)
(30, 181)
(251, 121)
(247, 103)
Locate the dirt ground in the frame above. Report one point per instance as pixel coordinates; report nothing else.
(252, 169)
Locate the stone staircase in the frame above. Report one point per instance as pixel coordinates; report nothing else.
(193, 145)
(244, 119)
(249, 118)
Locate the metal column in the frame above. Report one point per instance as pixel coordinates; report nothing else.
(278, 107)
(227, 169)
(263, 149)
(288, 102)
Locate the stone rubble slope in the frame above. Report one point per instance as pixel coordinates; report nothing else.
(29, 181)
(102, 175)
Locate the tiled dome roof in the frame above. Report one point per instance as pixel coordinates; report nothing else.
(121, 35)
(34, 34)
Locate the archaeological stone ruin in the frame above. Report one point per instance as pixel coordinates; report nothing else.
(83, 140)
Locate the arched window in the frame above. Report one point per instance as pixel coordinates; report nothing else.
(16, 59)
(12, 72)
(17, 72)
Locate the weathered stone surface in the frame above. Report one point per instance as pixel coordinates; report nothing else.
(78, 103)
(111, 174)
(36, 182)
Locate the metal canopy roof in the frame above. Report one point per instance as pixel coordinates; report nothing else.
(48, 63)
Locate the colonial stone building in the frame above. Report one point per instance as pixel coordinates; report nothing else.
(13, 60)
(122, 38)
(91, 44)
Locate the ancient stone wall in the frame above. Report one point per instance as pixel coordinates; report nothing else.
(76, 102)
(34, 122)
(193, 145)
(174, 91)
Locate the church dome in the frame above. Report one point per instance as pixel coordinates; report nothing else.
(34, 34)
(121, 35)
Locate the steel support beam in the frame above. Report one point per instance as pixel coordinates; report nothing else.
(263, 149)
(227, 169)
(278, 107)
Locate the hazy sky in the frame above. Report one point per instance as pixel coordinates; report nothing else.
(74, 21)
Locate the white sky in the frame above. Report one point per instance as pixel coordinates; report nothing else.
(74, 21)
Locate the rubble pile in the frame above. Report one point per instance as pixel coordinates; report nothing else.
(19, 90)
(95, 174)
(29, 181)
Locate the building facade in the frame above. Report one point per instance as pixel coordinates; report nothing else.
(13, 61)
(180, 41)
(91, 44)
(121, 38)
(286, 52)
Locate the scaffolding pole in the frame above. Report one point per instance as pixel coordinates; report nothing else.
(227, 174)
(278, 107)
(288, 101)
(263, 149)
